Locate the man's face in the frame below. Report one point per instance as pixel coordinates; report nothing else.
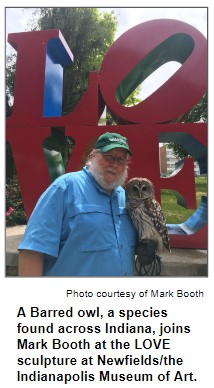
(109, 168)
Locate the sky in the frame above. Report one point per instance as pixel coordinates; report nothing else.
(17, 20)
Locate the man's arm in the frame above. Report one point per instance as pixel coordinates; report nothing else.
(30, 263)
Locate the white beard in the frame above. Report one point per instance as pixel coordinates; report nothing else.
(94, 168)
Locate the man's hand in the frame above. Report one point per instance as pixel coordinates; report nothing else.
(146, 250)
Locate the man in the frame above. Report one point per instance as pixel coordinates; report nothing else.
(80, 226)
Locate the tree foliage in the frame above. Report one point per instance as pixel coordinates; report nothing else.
(10, 77)
(199, 112)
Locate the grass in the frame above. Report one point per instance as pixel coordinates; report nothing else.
(176, 214)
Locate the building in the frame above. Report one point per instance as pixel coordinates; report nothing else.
(169, 162)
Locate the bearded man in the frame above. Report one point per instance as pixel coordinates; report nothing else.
(80, 226)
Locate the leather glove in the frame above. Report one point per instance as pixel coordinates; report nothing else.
(146, 251)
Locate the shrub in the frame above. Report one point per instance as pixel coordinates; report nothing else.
(15, 214)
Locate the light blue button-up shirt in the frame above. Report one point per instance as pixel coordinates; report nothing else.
(81, 229)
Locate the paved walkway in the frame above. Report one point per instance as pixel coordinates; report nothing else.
(180, 263)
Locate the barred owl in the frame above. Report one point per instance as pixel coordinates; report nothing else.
(146, 213)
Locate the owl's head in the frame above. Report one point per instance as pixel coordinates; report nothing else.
(140, 188)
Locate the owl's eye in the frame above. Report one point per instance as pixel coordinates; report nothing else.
(144, 188)
(135, 188)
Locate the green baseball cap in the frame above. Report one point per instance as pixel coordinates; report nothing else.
(108, 141)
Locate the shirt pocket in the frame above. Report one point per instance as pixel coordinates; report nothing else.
(95, 229)
(128, 228)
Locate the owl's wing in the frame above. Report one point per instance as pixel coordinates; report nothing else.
(159, 221)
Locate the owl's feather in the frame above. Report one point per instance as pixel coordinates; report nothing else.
(146, 212)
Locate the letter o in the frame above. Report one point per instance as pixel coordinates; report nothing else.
(81, 313)
(143, 49)
(149, 343)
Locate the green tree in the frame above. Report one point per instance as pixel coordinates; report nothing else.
(10, 76)
(199, 112)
